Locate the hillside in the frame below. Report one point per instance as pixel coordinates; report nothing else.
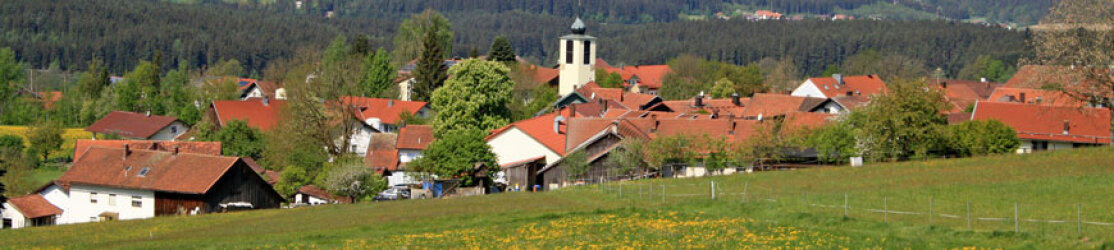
(124, 32)
(1049, 191)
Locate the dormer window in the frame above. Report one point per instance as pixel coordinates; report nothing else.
(144, 171)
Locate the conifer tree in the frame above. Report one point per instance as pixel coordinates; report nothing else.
(430, 72)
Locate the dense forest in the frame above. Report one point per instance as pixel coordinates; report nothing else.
(642, 11)
(121, 32)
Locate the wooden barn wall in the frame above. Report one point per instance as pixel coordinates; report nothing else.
(176, 204)
(240, 184)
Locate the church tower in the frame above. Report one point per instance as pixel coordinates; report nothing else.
(578, 59)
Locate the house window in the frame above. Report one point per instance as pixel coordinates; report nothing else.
(1040, 145)
(174, 129)
(112, 199)
(353, 148)
(587, 52)
(568, 52)
(93, 198)
(137, 201)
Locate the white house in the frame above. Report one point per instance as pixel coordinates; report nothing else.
(29, 211)
(531, 138)
(138, 126)
(1041, 127)
(838, 85)
(313, 195)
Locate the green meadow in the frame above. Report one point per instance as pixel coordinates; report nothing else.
(1038, 201)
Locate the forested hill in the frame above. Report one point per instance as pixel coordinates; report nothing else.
(122, 32)
(1025, 12)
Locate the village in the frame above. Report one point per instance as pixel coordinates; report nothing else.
(141, 165)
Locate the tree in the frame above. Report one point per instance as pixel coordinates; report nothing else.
(455, 153)
(501, 50)
(782, 76)
(834, 142)
(351, 178)
(11, 77)
(337, 51)
(669, 150)
(473, 52)
(716, 153)
(904, 122)
(238, 139)
(609, 80)
(410, 42)
(974, 138)
(430, 71)
(1075, 40)
(140, 90)
(3, 198)
(231, 68)
(293, 178)
(474, 99)
(93, 80)
(871, 62)
(986, 67)
(723, 88)
(379, 75)
(628, 158)
(180, 96)
(576, 165)
(45, 136)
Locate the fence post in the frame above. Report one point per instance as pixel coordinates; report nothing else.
(713, 183)
(745, 186)
(886, 209)
(930, 211)
(663, 193)
(1079, 218)
(1016, 219)
(845, 203)
(969, 216)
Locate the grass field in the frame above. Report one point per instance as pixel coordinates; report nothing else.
(787, 209)
(69, 138)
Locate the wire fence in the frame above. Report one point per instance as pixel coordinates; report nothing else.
(1065, 219)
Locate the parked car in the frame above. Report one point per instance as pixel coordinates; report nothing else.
(393, 193)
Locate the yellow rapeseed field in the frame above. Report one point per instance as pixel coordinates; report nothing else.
(69, 137)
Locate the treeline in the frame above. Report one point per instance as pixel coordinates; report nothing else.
(121, 32)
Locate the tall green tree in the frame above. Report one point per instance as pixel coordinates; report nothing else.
(238, 139)
(231, 67)
(609, 80)
(501, 50)
(723, 88)
(11, 77)
(430, 72)
(456, 152)
(45, 136)
(410, 39)
(903, 123)
(475, 98)
(93, 80)
(983, 138)
(379, 75)
(834, 142)
(993, 70)
(576, 165)
(179, 96)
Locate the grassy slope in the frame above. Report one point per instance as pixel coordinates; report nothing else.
(1046, 185)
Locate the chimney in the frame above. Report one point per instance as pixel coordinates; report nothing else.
(1021, 97)
(735, 100)
(1067, 127)
(572, 110)
(390, 103)
(838, 78)
(557, 124)
(127, 151)
(698, 101)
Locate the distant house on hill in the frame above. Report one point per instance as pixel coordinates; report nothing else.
(125, 183)
(139, 126)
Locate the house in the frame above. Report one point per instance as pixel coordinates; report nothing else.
(385, 115)
(259, 113)
(699, 105)
(631, 100)
(193, 147)
(769, 105)
(541, 136)
(1036, 97)
(251, 88)
(29, 211)
(313, 195)
(138, 126)
(49, 98)
(646, 79)
(126, 183)
(389, 153)
(1043, 127)
(839, 85)
(767, 15)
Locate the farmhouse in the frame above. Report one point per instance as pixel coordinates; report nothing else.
(1049, 128)
(29, 211)
(138, 126)
(126, 183)
(259, 113)
(839, 85)
(193, 147)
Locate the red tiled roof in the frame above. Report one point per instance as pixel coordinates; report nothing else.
(258, 115)
(255, 167)
(981, 89)
(649, 76)
(268, 88)
(630, 100)
(1036, 122)
(415, 137)
(382, 153)
(1035, 96)
(387, 110)
(131, 125)
(182, 173)
(864, 85)
(540, 74)
(34, 206)
(273, 177)
(193, 147)
(322, 194)
(541, 129)
(49, 98)
(769, 105)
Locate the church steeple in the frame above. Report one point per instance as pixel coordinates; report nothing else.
(578, 27)
(578, 58)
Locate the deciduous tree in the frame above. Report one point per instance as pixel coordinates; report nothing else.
(474, 99)
(454, 153)
(409, 41)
